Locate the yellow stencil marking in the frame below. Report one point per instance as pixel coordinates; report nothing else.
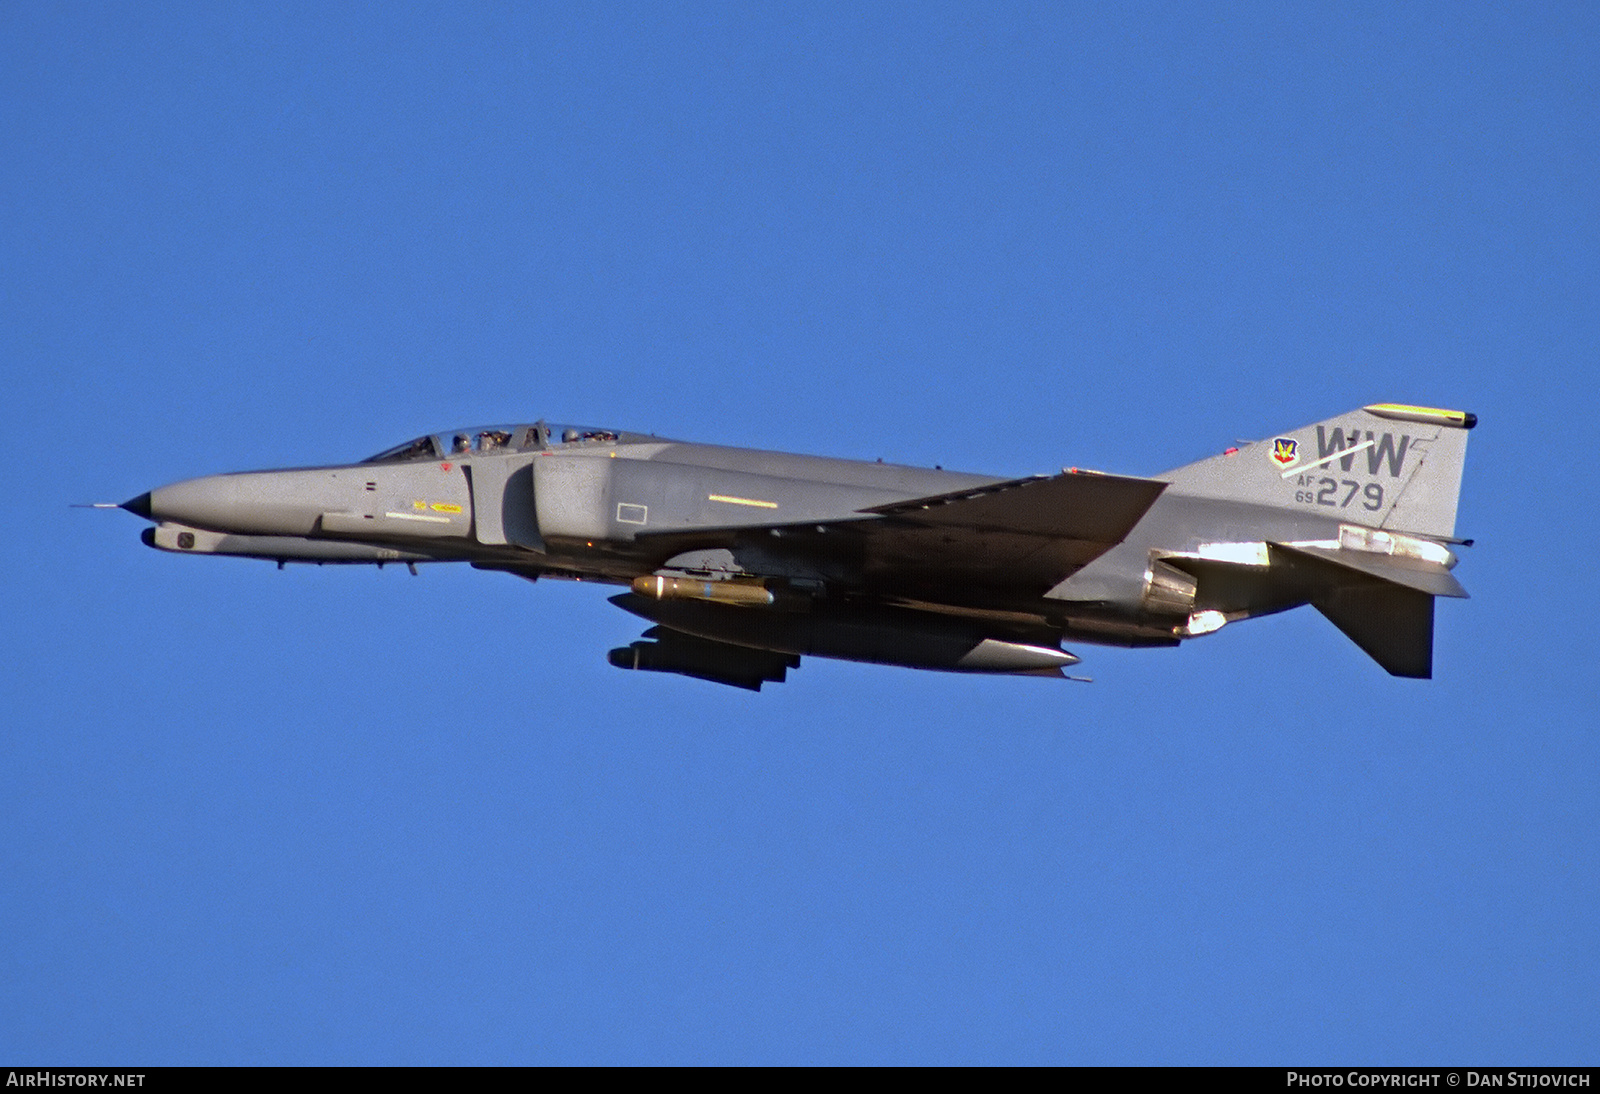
(445, 507)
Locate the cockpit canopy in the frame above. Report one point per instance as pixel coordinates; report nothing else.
(486, 440)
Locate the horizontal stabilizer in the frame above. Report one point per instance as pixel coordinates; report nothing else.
(1423, 576)
(1394, 625)
(1391, 622)
(1073, 505)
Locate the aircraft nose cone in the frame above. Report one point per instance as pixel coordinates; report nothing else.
(245, 503)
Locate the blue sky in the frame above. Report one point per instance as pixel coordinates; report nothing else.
(345, 816)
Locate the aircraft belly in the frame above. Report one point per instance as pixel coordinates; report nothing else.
(879, 635)
(182, 540)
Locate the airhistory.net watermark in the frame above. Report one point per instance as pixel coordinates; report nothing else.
(43, 1077)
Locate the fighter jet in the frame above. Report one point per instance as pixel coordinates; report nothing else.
(746, 561)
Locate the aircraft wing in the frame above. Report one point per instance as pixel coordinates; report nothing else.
(1022, 535)
(1078, 505)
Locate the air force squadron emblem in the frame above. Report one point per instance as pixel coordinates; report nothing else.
(1285, 450)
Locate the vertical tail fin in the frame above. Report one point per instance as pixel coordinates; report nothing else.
(1388, 466)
